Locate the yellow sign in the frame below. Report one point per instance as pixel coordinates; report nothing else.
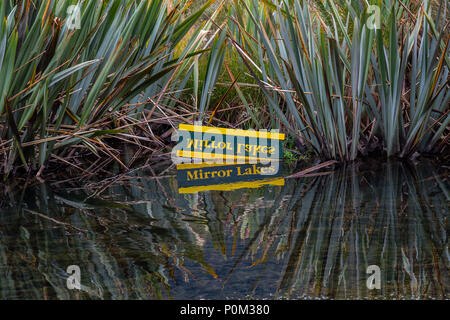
(197, 177)
(195, 141)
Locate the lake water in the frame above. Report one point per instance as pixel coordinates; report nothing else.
(313, 238)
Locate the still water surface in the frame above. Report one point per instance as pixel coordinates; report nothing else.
(311, 238)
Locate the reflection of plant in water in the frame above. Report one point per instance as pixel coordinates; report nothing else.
(315, 237)
(122, 253)
(334, 227)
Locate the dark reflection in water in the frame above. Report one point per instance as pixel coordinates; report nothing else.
(312, 238)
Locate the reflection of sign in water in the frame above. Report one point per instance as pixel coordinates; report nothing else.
(221, 143)
(195, 177)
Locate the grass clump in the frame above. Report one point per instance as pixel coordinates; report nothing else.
(64, 88)
(135, 69)
(345, 86)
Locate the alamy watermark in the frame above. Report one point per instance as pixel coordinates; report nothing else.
(374, 19)
(374, 280)
(74, 280)
(74, 17)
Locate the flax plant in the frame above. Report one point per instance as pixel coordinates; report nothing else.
(339, 78)
(62, 87)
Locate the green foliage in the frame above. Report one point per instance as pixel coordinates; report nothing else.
(336, 83)
(54, 79)
(313, 68)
